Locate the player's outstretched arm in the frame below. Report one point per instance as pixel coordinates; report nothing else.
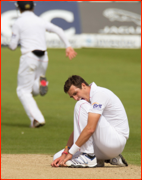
(70, 53)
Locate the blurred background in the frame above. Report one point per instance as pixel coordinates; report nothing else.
(99, 24)
(107, 38)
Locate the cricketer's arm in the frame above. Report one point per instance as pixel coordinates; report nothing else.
(14, 38)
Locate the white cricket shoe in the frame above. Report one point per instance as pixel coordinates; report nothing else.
(82, 161)
(119, 160)
(36, 124)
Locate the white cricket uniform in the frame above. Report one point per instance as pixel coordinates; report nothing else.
(112, 131)
(29, 30)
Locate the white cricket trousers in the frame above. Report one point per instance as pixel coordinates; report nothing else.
(105, 143)
(31, 68)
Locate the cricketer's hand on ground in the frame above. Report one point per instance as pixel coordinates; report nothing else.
(68, 157)
(70, 53)
(56, 162)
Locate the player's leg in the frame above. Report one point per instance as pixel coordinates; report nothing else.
(108, 143)
(86, 157)
(80, 121)
(40, 85)
(26, 74)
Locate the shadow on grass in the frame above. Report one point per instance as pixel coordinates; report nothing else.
(15, 125)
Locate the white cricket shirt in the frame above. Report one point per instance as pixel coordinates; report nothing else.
(105, 102)
(30, 29)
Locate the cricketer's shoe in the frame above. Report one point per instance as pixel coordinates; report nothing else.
(36, 124)
(43, 85)
(119, 160)
(82, 161)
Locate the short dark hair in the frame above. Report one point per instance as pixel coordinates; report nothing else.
(25, 5)
(74, 80)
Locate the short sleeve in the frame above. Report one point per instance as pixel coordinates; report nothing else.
(98, 103)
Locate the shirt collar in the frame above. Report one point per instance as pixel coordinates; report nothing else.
(25, 13)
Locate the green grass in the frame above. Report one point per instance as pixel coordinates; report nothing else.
(117, 70)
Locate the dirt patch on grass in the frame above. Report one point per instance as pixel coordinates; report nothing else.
(36, 166)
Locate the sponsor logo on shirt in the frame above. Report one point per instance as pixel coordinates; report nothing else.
(13, 35)
(97, 106)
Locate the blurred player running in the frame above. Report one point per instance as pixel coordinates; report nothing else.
(29, 30)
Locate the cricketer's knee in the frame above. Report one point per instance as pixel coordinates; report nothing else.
(35, 87)
(21, 92)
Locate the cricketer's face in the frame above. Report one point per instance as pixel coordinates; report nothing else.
(77, 93)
